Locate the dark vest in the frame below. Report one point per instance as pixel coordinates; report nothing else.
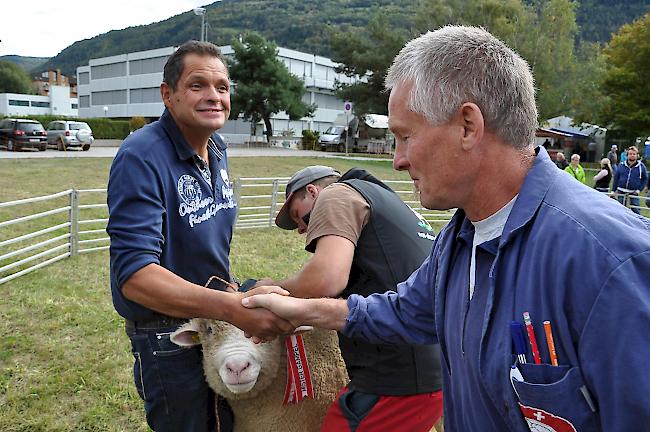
(603, 183)
(393, 243)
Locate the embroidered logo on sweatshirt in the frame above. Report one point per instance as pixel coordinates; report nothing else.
(193, 205)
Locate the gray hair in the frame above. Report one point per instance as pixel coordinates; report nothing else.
(458, 64)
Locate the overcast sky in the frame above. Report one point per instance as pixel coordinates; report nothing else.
(44, 28)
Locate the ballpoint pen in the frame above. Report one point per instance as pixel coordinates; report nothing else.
(518, 340)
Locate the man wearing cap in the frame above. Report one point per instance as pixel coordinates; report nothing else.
(365, 240)
(613, 157)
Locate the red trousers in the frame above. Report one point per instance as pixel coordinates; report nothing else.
(413, 413)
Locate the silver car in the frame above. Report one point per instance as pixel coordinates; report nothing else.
(68, 133)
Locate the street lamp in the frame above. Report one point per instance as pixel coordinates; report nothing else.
(200, 11)
(105, 111)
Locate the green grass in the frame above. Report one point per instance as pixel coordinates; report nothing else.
(65, 362)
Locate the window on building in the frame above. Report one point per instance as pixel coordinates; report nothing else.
(108, 71)
(40, 104)
(114, 97)
(84, 77)
(146, 66)
(327, 101)
(74, 106)
(145, 95)
(84, 101)
(320, 72)
(16, 102)
(297, 68)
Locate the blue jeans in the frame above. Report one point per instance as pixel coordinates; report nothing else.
(170, 380)
(633, 200)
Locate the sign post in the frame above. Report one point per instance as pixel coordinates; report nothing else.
(347, 108)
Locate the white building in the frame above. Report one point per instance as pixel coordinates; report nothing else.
(127, 85)
(58, 102)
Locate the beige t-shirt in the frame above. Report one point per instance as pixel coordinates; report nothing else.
(339, 210)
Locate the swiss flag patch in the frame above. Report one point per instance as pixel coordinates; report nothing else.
(541, 421)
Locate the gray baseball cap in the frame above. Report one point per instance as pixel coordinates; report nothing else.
(298, 181)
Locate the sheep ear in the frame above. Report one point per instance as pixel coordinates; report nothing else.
(186, 335)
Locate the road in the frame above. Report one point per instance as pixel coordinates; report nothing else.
(108, 148)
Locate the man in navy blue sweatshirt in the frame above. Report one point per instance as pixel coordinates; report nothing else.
(171, 216)
(528, 244)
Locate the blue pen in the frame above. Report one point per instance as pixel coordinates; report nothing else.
(518, 339)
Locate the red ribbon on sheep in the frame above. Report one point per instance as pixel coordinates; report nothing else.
(299, 383)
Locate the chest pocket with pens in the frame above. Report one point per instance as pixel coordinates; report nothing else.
(552, 397)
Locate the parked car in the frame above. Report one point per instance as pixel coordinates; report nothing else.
(333, 138)
(67, 133)
(16, 134)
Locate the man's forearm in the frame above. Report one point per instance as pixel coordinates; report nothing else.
(157, 288)
(320, 312)
(327, 313)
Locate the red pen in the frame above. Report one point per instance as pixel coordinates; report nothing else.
(532, 339)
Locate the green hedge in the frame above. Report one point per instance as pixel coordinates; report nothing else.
(103, 128)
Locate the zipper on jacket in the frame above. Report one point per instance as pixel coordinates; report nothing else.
(462, 340)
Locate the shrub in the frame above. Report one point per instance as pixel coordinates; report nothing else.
(136, 123)
(103, 128)
(309, 139)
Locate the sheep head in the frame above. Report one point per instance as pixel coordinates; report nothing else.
(234, 367)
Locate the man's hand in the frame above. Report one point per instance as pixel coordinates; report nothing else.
(321, 312)
(264, 282)
(289, 308)
(260, 324)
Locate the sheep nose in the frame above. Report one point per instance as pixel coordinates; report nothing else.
(237, 367)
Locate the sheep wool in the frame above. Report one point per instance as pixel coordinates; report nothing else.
(253, 377)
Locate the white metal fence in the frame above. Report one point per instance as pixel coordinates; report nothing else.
(38, 231)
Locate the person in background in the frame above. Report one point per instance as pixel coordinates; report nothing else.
(630, 179)
(527, 244)
(560, 161)
(612, 155)
(575, 169)
(604, 176)
(624, 156)
(171, 216)
(350, 223)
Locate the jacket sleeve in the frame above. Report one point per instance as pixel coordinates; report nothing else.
(136, 208)
(644, 176)
(396, 317)
(614, 348)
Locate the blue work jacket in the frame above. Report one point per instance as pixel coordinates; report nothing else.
(569, 255)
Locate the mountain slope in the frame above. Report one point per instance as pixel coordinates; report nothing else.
(300, 25)
(27, 63)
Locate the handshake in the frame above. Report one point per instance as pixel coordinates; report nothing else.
(266, 311)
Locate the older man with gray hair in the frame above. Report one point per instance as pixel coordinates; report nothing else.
(460, 95)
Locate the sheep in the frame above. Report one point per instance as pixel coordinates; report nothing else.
(253, 377)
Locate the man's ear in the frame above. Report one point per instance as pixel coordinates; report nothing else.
(473, 125)
(312, 190)
(165, 93)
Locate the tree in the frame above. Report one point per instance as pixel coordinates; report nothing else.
(546, 39)
(627, 79)
(14, 79)
(588, 101)
(367, 54)
(542, 31)
(264, 85)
